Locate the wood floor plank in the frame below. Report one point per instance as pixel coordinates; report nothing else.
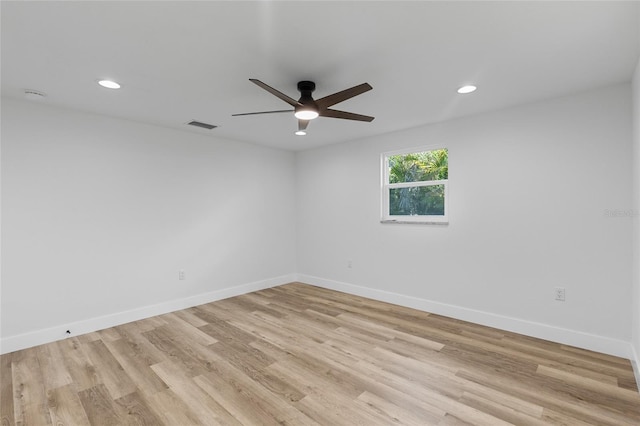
(136, 411)
(136, 367)
(545, 354)
(608, 359)
(246, 401)
(186, 330)
(201, 404)
(557, 418)
(446, 403)
(7, 416)
(78, 364)
(29, 395)
(109, 370)
(65, 407)
(442, 378)
(188, 316)
(171, 409)
(223, 331)
(303, 355)
(605, 389)
(551, 399)
(450, 420)
(500, 411)
(303, 376)
(163, 339)
(329, 409)
(54, 371)
(256, 371)
(132, 333)
(109, 334)
(248, 305)
(100, 407)
(89, 337)
(396, 414)
(583, 372)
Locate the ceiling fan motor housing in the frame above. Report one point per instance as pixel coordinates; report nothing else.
(308, 104)
(306, 88)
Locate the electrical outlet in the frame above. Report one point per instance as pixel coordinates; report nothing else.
(181, 275)
(349, 264)
(560, 294)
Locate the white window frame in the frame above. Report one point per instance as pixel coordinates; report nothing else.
(386, 187)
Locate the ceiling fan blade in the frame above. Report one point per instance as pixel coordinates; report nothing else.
(275, 92)
(302, 125)
(263, 112)
(343, 95)
(334, 113)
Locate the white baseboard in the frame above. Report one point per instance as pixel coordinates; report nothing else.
(543, 331)
(565, 336)
(39, 337)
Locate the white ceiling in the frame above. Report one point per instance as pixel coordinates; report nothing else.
(179, 61)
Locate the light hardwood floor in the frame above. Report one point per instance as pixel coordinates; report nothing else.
(301, 355)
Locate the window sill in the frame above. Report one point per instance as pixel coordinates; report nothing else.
(415, 222)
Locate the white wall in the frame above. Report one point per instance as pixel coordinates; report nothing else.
(636, 221)
(99, 214)
(529, 191)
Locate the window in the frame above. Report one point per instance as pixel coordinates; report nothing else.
(415, 186)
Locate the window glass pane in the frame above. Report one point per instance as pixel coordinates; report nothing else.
(419, 166)
(421, 200)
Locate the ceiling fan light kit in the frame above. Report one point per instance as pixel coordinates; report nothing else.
(306, 114)
(306, 108)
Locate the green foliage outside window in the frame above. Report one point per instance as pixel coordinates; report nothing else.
(418, 167)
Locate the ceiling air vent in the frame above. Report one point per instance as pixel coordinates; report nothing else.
(201, 124)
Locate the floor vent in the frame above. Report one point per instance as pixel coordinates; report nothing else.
(201, 124)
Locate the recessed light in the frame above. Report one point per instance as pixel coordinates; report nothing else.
(301, 133)
(109, 84)
(467, 89)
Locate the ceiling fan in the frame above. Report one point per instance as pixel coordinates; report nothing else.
(306, 108)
